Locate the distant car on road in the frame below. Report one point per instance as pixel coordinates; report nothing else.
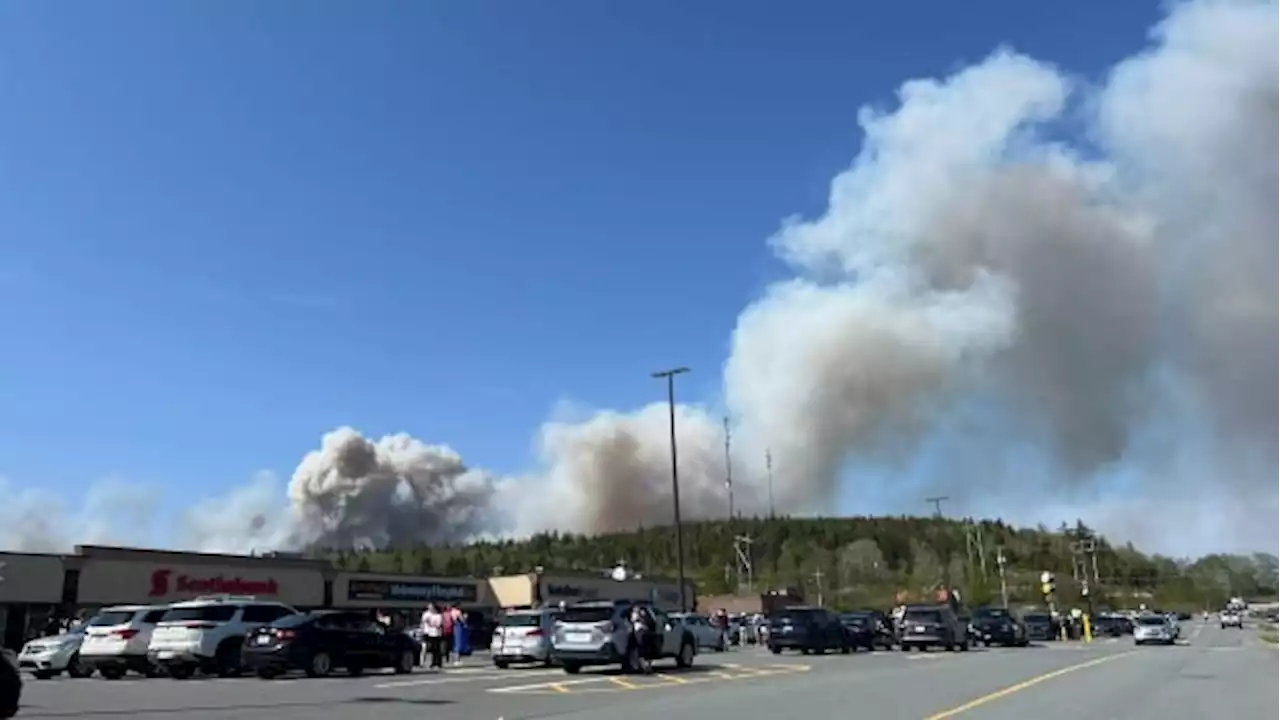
(1040, 626)
(1231, 618)
(706, 634)
(1154, 630)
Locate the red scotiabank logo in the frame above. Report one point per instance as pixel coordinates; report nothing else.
(185, 584)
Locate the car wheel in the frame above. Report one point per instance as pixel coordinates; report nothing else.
(181, 672)
(226, 660)
(408, 659)
(266, 673)
(684, 658)
(43, 674)
(501, 664)
(775, 649)
(320, 666)
(572, 668)
(77, 669)
(111, 673)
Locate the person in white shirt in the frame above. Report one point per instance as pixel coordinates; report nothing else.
(432, 635)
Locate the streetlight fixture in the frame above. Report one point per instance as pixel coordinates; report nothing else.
(670, 376)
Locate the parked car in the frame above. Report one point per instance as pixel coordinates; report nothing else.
(51, 656)
(524, 636)
(868, 629)
(999, 626)
(809, 630)
(117, 638)
(208, 633)
(925, 626)
(1040, 626)
(318, 642)
(706, 634)
(10, 684)
(598, 632)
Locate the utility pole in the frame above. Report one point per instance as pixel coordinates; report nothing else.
(670, 376)
(937, 503)
(742, 549)
(817, 579)
(946, 559)
(1004, 589)
(728, 469)
(982, 552)
(768, 468)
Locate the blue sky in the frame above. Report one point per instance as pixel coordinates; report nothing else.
(227, 227)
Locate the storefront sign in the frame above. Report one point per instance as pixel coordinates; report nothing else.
(164, 583)
(123, 581)
(555, 590)
(411, 591)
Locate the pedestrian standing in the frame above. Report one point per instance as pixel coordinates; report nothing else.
(459, 627)
(448, 634)
(432, 634)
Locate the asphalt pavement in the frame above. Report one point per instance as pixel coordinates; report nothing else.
(1212, 673)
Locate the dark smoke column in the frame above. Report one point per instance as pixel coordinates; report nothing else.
(670, 376)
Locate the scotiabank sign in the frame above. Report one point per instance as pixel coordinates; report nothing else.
(124, 582)
(166, 582)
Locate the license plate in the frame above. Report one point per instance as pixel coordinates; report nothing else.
(165, 654)
(262, 640)
(578, 637)
(919, 628)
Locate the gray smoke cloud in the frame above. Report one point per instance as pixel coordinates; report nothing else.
(1086, 327)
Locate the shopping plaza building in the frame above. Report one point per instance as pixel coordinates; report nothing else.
(37, 587)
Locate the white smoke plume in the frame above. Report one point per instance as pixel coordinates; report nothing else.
(1066, 316)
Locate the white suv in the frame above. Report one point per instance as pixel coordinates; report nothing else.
(207, 633)
(116, 640)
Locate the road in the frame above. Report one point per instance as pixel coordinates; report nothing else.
(1213, 673)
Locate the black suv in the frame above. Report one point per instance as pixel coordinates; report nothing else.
(999, 626)
(925, 626)
(868, 629)
(807, 629)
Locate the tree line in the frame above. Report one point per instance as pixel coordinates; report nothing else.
(863, 561)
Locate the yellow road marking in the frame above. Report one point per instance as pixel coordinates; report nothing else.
(1019, 687)
(622, 684)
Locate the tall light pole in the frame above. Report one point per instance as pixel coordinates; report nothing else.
(670, 376)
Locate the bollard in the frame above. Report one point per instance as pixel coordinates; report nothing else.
(1088, 629)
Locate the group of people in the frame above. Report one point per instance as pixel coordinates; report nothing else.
(445, 636)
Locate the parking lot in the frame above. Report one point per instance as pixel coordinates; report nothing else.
(748, 679)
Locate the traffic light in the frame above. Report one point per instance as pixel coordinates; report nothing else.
(1047, 584)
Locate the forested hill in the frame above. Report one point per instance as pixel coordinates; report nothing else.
(860, 560)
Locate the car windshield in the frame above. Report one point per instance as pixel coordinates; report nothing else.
(1152, 621)
(855, 619)
(112, 617)
(588, 614)
(523, 620)
(931, 616)
(205, 613)
(295, 620)
(1037, 617)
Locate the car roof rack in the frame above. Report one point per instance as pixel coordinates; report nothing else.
(224, 598)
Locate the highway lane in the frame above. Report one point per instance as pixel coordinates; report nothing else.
(1104, 681)
(1216, 674)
